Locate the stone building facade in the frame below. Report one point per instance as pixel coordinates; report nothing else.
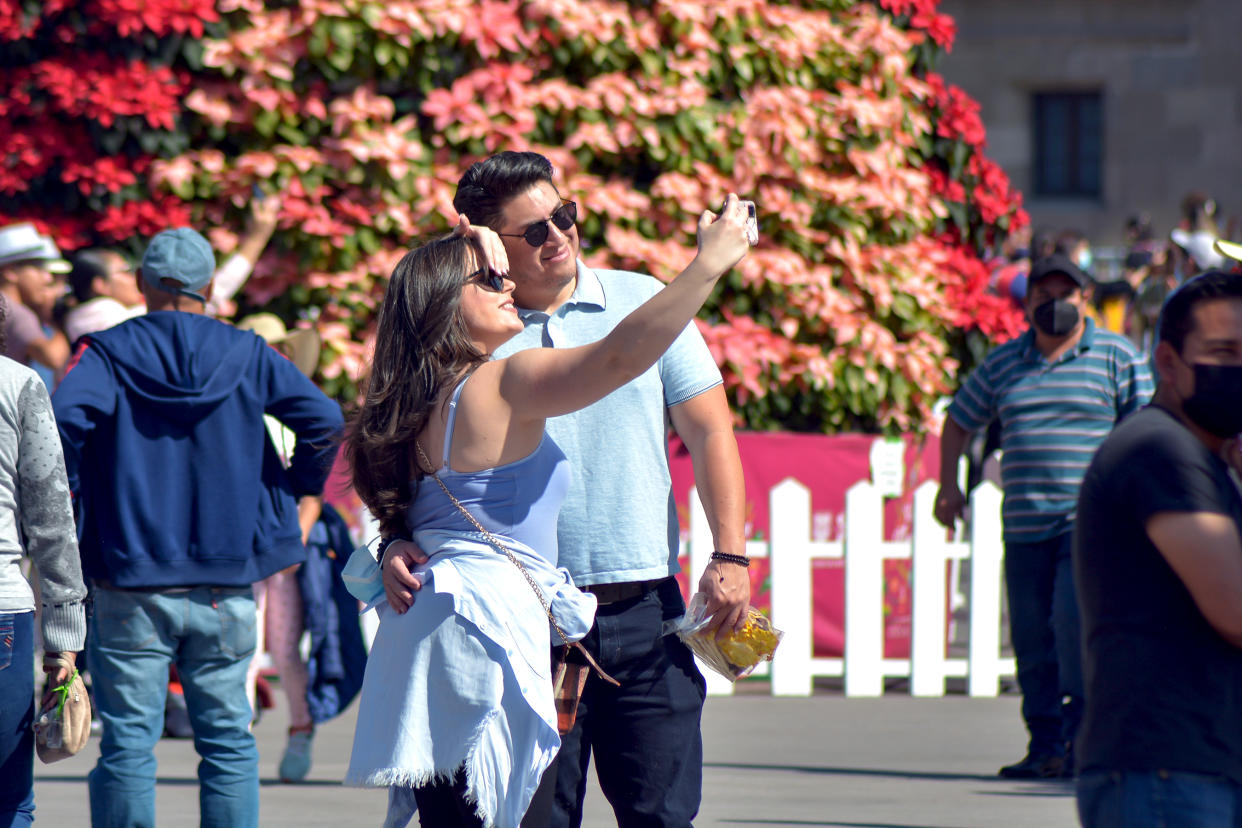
(1098, 109)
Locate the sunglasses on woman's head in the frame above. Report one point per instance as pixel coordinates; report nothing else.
(563, 217)
(488, 279)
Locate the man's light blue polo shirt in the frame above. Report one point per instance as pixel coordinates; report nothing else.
(618, 522)
(1053, 417)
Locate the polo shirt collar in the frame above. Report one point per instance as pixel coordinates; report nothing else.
(1031, 353)
(588, 290)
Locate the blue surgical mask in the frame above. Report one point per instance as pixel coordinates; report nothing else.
(1084, 260)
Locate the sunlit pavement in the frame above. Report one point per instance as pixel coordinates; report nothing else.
(893, 762)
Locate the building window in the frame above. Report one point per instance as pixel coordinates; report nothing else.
(1068, 144)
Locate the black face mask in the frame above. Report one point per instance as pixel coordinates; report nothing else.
(1056, 317)
(1216, 404)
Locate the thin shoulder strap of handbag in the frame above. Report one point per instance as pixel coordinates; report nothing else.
(508, 553)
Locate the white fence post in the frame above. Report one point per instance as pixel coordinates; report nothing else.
(791, 552)
(928, 660)
(987, 553)
(864, 591)
(789, 510)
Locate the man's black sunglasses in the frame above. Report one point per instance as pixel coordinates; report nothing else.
(488, 279)
(563, 217)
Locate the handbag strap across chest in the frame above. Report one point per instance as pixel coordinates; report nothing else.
(508, 553)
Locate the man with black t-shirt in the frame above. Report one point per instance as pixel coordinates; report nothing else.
(1158, 567)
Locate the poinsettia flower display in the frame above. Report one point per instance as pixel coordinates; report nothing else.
(875, 196)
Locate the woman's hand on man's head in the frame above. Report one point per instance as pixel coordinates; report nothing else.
(493, 248)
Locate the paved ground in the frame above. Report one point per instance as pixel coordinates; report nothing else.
(826, 761)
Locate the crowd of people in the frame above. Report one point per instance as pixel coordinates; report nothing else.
(192, 456)
(511, 444)
(53, 301)
(1127, 290)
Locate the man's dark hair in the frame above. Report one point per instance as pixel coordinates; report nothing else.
(87, 266)
(487, 185)
(1177, 316)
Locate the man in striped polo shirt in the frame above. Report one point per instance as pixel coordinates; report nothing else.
(1057, 391)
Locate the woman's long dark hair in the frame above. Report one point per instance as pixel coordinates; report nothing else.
(422, 346)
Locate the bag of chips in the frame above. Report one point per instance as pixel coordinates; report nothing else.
(735, 655)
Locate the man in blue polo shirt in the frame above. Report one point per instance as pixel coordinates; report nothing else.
(1057, 391)
(617, 533)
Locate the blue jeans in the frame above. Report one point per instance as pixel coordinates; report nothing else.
(16, 719)
(1044, 630)
(644, 734)
(209, 633)
(1158, 799)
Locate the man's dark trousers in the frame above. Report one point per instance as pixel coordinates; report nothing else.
(644, 734)
(1044, 630)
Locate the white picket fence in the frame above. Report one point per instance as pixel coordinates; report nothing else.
(864, 550)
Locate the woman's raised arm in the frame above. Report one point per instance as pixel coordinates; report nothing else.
(545, 382)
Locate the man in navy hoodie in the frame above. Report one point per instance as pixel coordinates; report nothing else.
(182, 505)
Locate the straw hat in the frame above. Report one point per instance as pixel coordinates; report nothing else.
(23, 243)
(301, 345)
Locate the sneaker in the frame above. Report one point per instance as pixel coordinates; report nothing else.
(296, 762)
(1035, 766)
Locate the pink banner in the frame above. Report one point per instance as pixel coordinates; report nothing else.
(828, 465)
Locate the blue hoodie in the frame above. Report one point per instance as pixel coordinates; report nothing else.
(175, 479)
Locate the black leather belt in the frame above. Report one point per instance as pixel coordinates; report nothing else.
(624, 591)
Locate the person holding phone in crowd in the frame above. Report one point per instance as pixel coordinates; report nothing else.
(618, 530)
(457, 713)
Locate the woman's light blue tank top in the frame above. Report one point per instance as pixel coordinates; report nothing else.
(519, 500)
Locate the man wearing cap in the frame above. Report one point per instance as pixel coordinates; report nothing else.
(1056, 391)
(182, 505)
(28, 261)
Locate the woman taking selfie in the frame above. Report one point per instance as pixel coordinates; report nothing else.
(457, 715)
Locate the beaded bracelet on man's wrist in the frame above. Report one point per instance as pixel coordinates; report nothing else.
(740, 560)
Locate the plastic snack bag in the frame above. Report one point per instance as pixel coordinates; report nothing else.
(64, 725)
(737, 654)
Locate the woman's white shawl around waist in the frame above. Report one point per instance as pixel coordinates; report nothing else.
(464, 677)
